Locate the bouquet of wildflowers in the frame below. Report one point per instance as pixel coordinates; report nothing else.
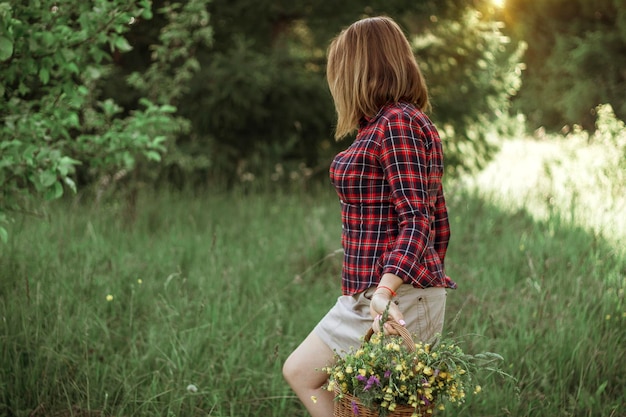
(391, 372)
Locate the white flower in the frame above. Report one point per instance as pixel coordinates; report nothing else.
(192, 388)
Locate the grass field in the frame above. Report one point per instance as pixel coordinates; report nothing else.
(190, 308)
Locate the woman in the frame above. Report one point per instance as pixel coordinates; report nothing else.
(394, 216)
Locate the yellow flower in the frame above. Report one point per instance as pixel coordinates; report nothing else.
(349, 369)
(362, 372)
(314, 399)
(428, 371)
(109, 297)
(139, 281)
(477, 389)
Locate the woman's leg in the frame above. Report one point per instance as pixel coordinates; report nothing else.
(303, 372)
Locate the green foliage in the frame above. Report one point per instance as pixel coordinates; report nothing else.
(575, 59)
(239, 86)
(473, 70)
(52, 55)
(259, 109)
(183, 37)
(173, 61)
(264, 97)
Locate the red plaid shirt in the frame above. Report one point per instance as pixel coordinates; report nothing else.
(394, 215)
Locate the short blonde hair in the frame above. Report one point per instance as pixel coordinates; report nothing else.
(371, 64)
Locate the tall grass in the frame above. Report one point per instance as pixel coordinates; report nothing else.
(121, 317)
(190, 307)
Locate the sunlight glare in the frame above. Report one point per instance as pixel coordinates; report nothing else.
(498, 3)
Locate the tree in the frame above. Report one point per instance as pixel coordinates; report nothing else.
(575, 60)
(53, 118)
(473, 70)
(261, 96)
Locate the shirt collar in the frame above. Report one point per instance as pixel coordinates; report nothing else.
(367, 120)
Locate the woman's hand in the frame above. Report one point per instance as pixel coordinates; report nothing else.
(378, 305)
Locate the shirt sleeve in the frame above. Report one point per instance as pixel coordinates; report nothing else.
(403, 157)
(442, 225)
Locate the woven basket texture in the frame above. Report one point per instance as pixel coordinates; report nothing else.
(347, 405)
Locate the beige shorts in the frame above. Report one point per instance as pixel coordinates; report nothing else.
(349, 319)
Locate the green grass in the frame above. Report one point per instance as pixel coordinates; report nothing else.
(215, 290)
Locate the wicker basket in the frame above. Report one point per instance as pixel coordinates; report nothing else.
(347, 405)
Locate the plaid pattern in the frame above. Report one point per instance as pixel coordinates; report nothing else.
(394, 215)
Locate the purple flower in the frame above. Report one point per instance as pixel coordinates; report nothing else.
(436, 372)
(387, 373)
(361, 378)
(355, 408)
(426, 402)
(373, 380)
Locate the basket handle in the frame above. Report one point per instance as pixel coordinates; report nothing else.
(402, 331)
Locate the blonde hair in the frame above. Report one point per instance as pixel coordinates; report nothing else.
(371, 64)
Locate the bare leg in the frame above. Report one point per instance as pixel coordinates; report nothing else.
(303, 372)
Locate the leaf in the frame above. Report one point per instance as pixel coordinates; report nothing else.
(47, 178)
(158, 140)
(168, 108)
(54, 192)
(153, 156)
(44, 75)
(122, 44)
(4, 235)
(73, 68)
(73, 120)
(29, 152)
(70, 183)
(6, 48)
(66, 165)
